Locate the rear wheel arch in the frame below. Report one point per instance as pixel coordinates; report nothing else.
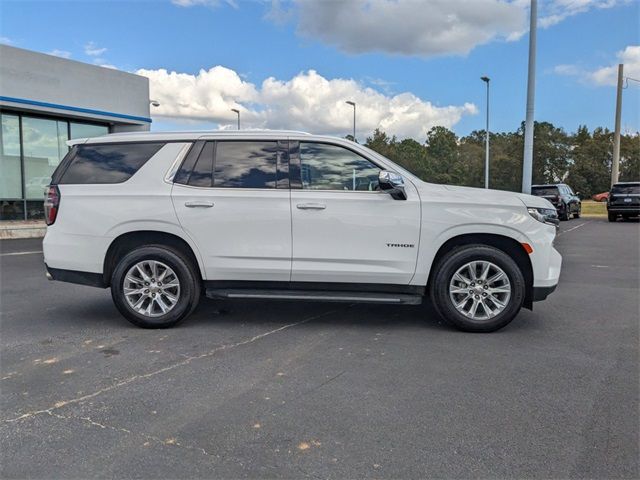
(508, 245)
(129, 241)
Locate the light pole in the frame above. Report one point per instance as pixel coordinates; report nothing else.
(486, 80)
(615, 165)
(527, 164)
(238, 112)
(353, 104)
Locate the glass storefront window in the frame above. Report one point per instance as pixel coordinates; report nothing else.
(35, 209)
(11, 209)
(34, 160)
(86, 130)
(43, 145)
(10, 174)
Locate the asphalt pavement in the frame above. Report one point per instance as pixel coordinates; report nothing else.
(253, 389)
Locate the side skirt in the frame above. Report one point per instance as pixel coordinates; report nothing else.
(322, 292)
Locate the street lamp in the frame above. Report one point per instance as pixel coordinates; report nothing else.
(527, 161)
(486, 80)
(238, 112)
(353, 104)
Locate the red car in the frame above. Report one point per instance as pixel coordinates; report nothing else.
(601, 197)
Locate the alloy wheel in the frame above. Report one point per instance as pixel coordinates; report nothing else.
(480, 290)
(151, 288)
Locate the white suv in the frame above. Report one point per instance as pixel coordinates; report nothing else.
(162, 218)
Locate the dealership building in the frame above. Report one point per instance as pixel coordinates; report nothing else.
(46, 101)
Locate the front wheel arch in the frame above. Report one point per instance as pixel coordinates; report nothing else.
(508, 245)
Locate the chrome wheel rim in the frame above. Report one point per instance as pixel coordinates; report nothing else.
(480, 290)
(151, 288)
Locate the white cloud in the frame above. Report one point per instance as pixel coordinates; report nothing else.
(420, 28)
(408, 27)
(630, 56)
(308, 101)
(101, 62)
(555, 11)
(607, 75)
(60, 53)
(6, 41)
(566, 69)
(93, 50)
(205, 3)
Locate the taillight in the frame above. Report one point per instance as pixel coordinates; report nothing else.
(51, 204)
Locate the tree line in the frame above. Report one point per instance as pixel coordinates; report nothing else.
(581, 159)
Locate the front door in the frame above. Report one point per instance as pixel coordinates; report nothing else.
(344, 228)
(232, 199)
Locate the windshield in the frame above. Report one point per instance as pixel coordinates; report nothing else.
(544, 191)
(626, 189)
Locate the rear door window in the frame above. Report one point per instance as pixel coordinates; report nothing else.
(107, 163)
(246, 164)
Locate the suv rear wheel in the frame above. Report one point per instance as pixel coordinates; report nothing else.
(478, 288)
(155, 286)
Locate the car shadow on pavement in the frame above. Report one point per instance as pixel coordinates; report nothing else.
(101, 312)
(365, 316)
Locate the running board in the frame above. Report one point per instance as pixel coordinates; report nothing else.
(316, 295)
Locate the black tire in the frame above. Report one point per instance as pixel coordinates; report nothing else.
(564, 216)
(612, 217)
(447, 267)
(190, 285)
(626, 218)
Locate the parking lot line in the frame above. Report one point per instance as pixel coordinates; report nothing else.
(167, 368)
(573, 228)
(20, 253)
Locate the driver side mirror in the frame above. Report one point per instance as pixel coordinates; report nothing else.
(393, 184)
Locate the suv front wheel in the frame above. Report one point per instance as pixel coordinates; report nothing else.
(154, 286)
(478, 288)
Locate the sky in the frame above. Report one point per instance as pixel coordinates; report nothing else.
(408, 64)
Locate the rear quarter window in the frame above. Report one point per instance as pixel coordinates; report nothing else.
(107, 163)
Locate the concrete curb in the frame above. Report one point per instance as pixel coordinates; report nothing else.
(22, 229)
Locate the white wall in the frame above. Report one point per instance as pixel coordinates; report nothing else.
(38, 77)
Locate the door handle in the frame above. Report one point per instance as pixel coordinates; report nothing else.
(311, 206)
(198, 204)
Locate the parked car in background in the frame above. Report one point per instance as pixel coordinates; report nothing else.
(162, 218)
(600, 197)
(624, 201)
(562, 197)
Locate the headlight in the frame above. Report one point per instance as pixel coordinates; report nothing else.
(545, 215)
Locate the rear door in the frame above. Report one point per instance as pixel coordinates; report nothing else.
(232, 199)
(344, 229)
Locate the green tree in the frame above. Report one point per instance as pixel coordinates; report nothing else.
(630, 158)
(590, 165)
(442, 155)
